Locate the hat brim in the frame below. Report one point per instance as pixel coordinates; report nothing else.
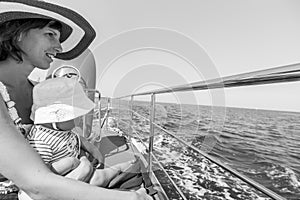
(60, 113)
(66, 30)
(59, 13)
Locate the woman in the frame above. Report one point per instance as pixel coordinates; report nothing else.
(27, 41)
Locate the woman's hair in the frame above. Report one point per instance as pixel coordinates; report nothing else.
(10, 32)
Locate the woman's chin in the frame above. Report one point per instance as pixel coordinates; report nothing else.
(43, 66)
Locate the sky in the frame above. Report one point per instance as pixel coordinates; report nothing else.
(143, 45)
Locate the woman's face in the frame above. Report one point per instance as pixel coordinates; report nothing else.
(40, 46)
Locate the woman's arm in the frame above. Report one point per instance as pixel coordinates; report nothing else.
(20, 163)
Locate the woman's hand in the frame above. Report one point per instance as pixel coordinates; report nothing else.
(83, 171)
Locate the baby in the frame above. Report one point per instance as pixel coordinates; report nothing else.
(57, 103)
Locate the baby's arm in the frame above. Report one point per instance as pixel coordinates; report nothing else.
(62, 167)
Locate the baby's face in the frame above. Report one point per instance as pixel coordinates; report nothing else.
(65, 126)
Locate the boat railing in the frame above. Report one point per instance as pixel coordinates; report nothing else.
(88, 119)
(287, 73)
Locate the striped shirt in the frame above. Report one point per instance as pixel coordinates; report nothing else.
(53, 145)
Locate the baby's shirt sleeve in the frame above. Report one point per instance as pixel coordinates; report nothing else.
(42, 148)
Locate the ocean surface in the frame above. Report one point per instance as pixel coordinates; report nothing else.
(263, 145)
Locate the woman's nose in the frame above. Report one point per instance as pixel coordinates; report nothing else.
(57, 47)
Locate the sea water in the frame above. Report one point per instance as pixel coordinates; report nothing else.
(261, 144)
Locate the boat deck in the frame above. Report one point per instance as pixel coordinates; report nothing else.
(117, 148)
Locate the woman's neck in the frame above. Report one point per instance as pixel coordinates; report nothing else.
(15, 69)
(14, 76)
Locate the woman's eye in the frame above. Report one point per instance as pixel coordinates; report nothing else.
(50, 34)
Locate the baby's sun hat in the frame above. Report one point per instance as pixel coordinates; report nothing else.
(59, 100)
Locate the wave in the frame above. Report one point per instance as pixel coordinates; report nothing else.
(282, 178)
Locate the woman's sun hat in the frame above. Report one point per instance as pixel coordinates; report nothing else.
(59, 100)
(75, 42)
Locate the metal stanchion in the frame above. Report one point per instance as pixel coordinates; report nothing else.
(97, 137)
(119, 113)
(151, 135)
(131, 117)
(107, 113)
